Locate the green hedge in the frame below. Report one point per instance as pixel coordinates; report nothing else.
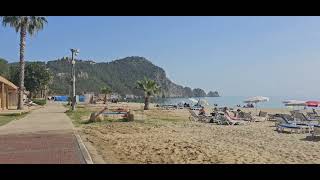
(40, 102)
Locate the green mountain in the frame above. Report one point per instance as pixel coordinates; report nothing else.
(121, 75)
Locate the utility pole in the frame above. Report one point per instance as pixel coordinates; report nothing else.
(74, 52)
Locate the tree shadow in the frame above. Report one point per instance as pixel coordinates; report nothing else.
(284, 132)
(117, 120)
(287, 132)
(86, 122)
(310, 138)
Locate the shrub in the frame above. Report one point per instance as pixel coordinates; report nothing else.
(40, 102)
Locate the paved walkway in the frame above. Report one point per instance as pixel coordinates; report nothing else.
(45, 136)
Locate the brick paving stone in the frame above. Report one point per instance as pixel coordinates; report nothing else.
(45, 136)
(40, 149)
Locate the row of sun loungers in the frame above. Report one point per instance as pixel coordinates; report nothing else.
(228, 118)
(297, 122)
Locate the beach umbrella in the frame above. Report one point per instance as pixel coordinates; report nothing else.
(203, 102)
(287, 101)
(313, 103)
(256, 99)
(193, 100)
(294, 103)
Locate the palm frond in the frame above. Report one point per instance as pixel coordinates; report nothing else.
(12, 21)
(106, 90)
(35, 24)
(149, 86)
(32, 23)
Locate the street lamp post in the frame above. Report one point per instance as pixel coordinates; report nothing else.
(74, 52)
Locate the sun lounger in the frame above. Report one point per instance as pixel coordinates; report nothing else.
(232, 115)
(249, 117)
(311, 115)
(168, 106)
(263, 114)
(289, 119)
(271, 117)
(315, 131)
(201, 118)
(226, 119)
(196, 108)
(292, 126)
(301, 117)
(245, 116)
(216, 117)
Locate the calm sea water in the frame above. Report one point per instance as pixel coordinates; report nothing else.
(233, 101)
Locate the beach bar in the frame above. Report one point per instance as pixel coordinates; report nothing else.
(8, 94)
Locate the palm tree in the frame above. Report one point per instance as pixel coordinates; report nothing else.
(106, 90)
(24, 25)
(150, 88)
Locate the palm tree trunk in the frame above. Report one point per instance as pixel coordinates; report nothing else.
(146, 103)
(23, 32)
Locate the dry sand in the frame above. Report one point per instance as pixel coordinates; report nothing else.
(167, 136)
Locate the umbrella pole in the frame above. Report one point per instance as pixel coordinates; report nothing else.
(256, 108)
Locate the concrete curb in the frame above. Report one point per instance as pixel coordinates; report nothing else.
(84, 151)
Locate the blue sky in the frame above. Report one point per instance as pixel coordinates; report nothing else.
(235, 55)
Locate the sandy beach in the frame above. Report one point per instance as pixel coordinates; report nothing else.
(168, 136)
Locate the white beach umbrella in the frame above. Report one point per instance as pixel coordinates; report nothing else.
(203, 102)
(287, 101)
(294, 103)
(256, 99)
(193, 100)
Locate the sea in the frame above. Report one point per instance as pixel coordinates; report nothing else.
(233, 101)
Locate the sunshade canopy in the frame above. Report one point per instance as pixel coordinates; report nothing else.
(313, 103)
(256, 99)
(294, 103)
(193, 100)
(9, 84)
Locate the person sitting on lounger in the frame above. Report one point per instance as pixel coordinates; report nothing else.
(202, 111)
(226, 112)
(314, 111)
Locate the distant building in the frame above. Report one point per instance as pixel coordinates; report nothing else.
(115, 96)
(130, 96)
(92, 62)
(88, 97)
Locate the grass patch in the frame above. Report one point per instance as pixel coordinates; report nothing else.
(5, 119)
(153, 117)
(115, 120)
(79, 116)
(40, 102)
